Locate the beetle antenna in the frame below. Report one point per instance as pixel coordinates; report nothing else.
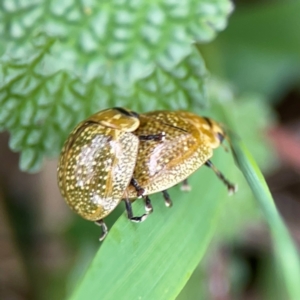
(225, 147)
(227, 133)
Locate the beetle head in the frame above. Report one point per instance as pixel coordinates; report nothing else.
(216, 133)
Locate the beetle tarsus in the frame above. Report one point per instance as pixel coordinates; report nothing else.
(232, 188)
(153, 137)
(130, 213)
(185, 187)
(148, 205)
(104, 229)
(168, 201)
(139, 219)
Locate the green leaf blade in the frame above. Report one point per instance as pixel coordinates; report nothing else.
(124, 38)
(154, 259)
(286, 253)
(41, 110)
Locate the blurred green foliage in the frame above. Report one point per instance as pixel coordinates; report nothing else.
(260, 49)
(60, 61)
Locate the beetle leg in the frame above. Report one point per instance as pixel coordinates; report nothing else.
(104, 229)
(153, 137)
(232, 188)
(148, 205)
(140, 191)
(185, 186)
(130, 213)
(168, 201)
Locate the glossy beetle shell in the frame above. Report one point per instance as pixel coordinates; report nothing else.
(97, 162)
(188, 144)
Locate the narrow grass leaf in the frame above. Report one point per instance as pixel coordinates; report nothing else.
(285, 250)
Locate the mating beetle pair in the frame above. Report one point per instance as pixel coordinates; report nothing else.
(117, 154)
